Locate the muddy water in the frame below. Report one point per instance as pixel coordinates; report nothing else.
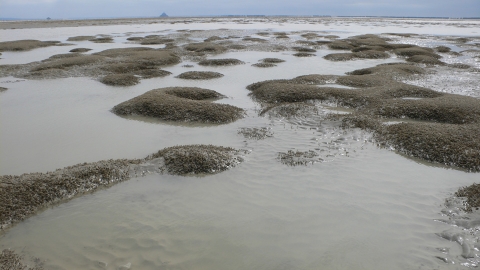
(354, 206)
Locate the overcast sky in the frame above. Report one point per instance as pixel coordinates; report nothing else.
(67, 9)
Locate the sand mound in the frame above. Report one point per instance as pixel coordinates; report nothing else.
(303, 49)
(63, 63)
(198, 159)
(3, 89)
(22, 196)
(101, 40)
(303, 54)
(166, 104)
(80, 50)
(339, 45)
(363, 80)
(120, 80)
(367, 54)
(272, 60)
(443, 49)
(394, 70)
(205, 47)
(339, 57)
(221, 62)
(156, 41)
(425, 59)
(264, 65)
(199, 75)
(252, 39)
(25, 45)
(412, 51)
(80, 38)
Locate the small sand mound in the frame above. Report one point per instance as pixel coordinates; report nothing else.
(412, 51)
(252, 39)
(425, 59)
(156, 41)
(213, 38)
(120, 80)
(339, 57)
(315, 79)
(339, 45)
(199, 75)
(166, 105)
(205, 47)
(303, 54)
(80, 38)
(25, 45)
(303, 49)
(198, 159)
(221, 62)
(3, 89)
(460, 66)
(80, 50)
(443, 49)
(264, 65)
(135, 38)
(101, 40)
(272, 60)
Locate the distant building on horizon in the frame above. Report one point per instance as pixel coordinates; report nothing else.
(164, 15)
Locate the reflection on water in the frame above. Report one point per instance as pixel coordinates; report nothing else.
(357, 206)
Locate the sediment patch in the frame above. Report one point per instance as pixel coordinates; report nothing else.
(172, 104)
(295, 158)
(472, 195)
(200, 75)
(3, 89)
(80, 50)
(80, 38)
(256, 133)
(9, 260)
(264, 65)
(205, 47)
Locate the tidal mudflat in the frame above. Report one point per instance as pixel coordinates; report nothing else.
(259, 143)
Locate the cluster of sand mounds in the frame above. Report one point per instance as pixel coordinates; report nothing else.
(198, 159)
(448, 133)
(180, 104)
(142, 62)
(25, 45)
(9, 260)
(221, 62)
(200, 75)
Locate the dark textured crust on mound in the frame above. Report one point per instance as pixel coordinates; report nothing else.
(367, 54)
(197, 159)
(303, 54)
(425, 59)
(162, 104)
(25, 45)
(409, 52)
(80, 38)
(452, 145)
(394, 70)
(120, 80)
(221, 62)
(199, 75)
(264, 65)
(472, 194)
(9, 260)
(205, 47)
(23, 195)
(63, 63)
(272, 60)
(80, 50)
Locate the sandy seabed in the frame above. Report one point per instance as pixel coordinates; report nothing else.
(214, 94)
